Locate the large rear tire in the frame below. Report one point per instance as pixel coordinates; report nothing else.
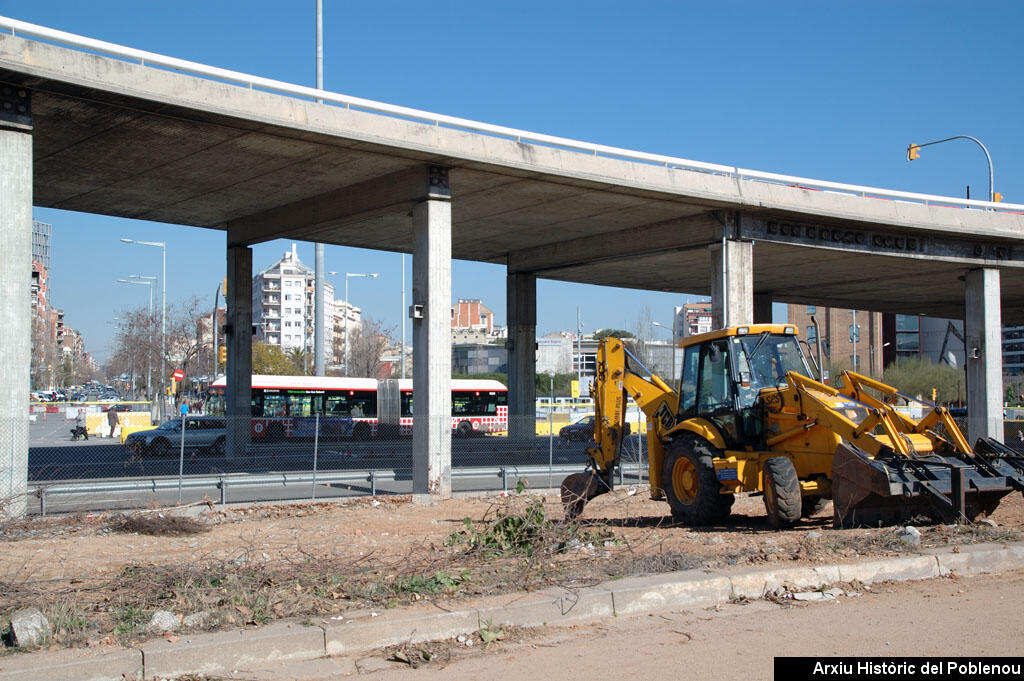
(781, 492)
(690, 484)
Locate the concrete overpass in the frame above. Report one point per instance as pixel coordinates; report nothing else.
(94, 127)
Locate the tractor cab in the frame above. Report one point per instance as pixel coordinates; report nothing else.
(725, 371)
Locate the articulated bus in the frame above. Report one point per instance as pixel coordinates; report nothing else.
(286, 406)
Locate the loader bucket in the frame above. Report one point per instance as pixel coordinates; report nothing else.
(891, 488)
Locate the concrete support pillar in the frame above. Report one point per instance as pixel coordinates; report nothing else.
(521, 308)
(238, 332)
(732, 283)
(15, 313)
(432, 349)
(983, 332)
(762, 308)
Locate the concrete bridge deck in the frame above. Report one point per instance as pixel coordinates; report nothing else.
(141, 141)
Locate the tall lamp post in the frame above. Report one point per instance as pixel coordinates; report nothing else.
(913, 152)
(348, 307)
(163, 311)
(143, 280)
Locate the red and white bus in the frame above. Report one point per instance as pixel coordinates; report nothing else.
(287, 406)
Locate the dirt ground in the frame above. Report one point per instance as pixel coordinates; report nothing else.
(301, 560)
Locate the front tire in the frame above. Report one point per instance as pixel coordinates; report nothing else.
(464, 429)
(781, 492)
(218, 447)
(690, 484)
(812, 505)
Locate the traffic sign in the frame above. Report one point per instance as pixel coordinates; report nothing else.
(178, 375)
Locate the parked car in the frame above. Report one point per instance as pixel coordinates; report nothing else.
(119, 407)
(202, 433)
(583, 429)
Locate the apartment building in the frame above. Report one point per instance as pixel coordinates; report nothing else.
(283, 307)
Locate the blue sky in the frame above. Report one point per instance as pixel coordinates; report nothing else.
(825, 90)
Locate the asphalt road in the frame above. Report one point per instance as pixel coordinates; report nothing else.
(54, 456)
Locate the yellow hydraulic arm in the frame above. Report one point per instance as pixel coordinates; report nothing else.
(876, 424)
(614, 381)
(854, 385)
(616, 378)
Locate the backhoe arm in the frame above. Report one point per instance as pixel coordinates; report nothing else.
(616, 379)
(619, 373)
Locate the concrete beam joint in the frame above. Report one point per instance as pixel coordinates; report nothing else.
(399, 192)
(15, 108)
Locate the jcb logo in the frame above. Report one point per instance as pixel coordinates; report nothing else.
(664, 416)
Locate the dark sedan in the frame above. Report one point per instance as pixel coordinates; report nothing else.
(581, 430)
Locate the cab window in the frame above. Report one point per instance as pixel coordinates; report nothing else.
(688, 383)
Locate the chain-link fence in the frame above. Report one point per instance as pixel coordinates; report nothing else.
(127, 461)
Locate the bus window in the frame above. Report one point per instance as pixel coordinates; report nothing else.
(463, 404)
(300, 405)
(274, 405)
(477, 402)
(406, 408)
(354, 403)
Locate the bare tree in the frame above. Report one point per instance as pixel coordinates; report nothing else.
(45, 357)
(367, 344)
(183, 345)
(137, 345)
(644, 331)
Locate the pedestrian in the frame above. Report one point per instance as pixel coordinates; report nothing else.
(112, 420)
(80, 424)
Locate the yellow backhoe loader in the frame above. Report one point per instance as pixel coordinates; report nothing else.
(747, 417)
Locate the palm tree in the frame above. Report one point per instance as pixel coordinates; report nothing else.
(301, 359)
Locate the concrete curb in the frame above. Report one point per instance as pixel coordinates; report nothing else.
(366, 630)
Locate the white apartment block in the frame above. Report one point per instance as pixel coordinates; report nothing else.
(344, 328)
(283, 307)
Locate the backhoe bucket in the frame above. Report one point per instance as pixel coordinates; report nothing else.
(578, 489)
(892, 489)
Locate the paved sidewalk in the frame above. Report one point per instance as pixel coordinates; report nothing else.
(293, 650)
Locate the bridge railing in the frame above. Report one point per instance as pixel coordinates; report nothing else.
(151, 59)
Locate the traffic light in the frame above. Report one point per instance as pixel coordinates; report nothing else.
(222, 354)
(996, 196)
(913, 151)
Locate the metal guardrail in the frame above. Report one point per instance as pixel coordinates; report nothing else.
(154, 60)
(224, 482)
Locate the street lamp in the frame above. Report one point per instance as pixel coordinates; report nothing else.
(143, 280)
(163, 310)
(348, 308)
(913, 153)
